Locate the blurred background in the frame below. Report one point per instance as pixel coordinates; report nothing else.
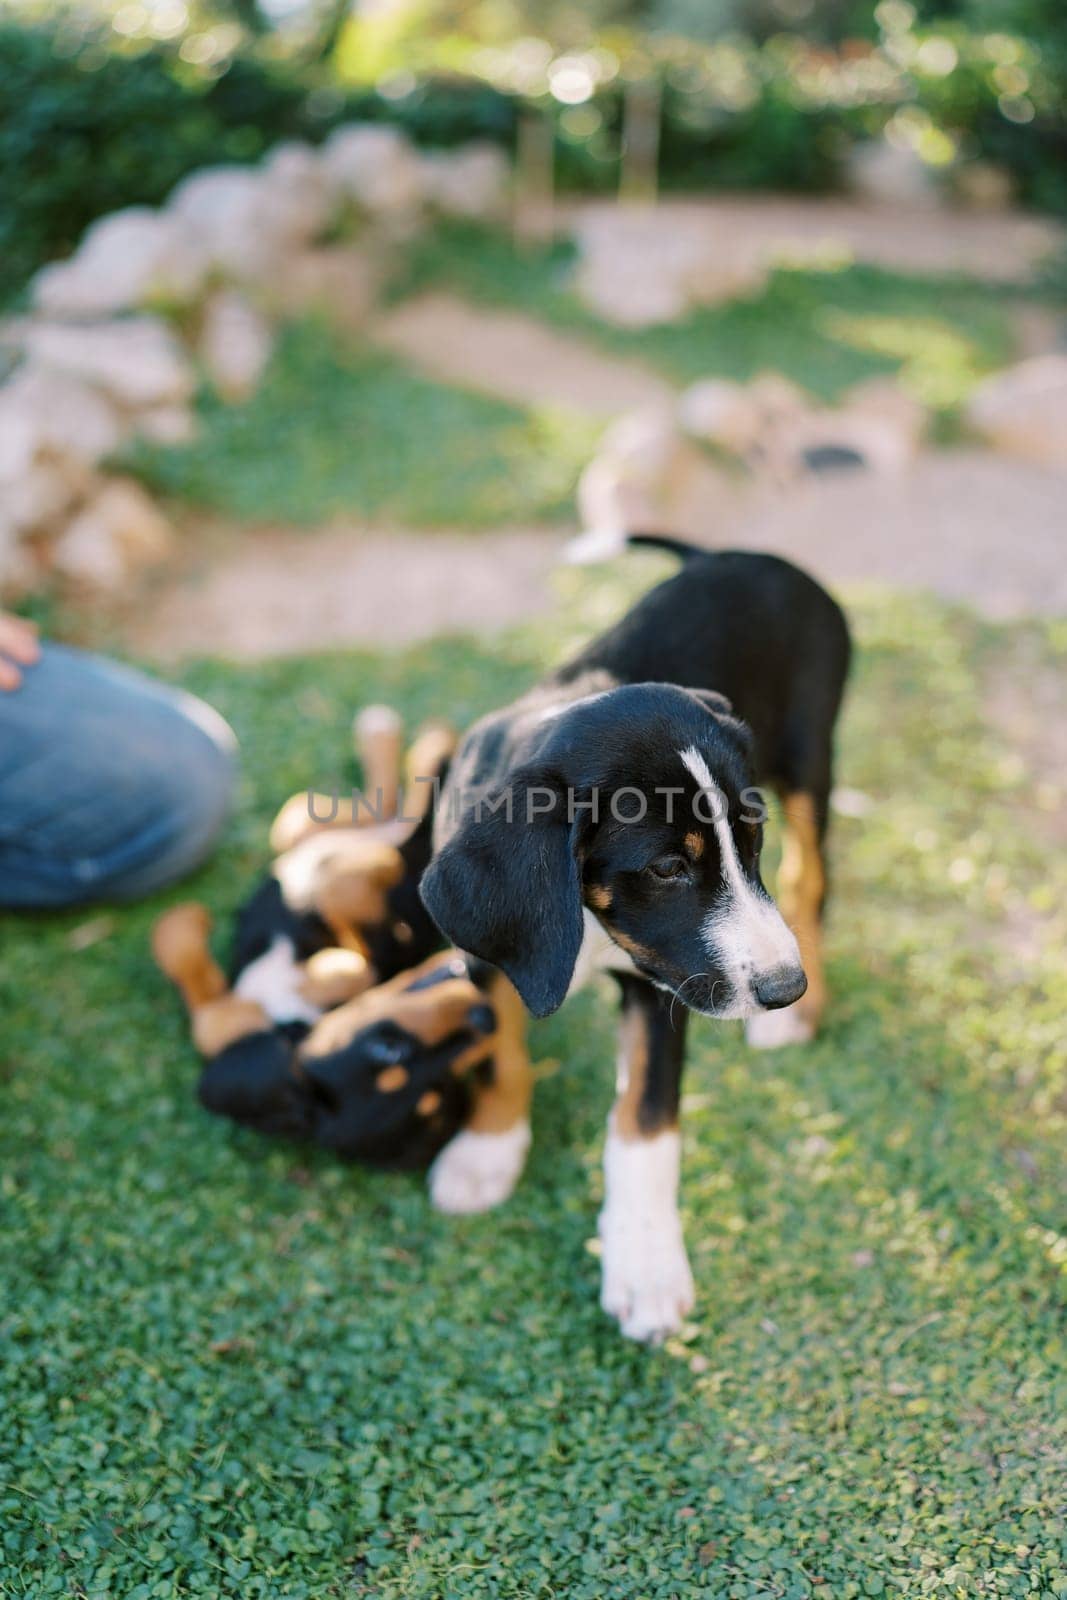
(776, 270)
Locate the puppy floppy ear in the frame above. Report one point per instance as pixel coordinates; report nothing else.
(723, 711)
(506, 888)
(713, 701)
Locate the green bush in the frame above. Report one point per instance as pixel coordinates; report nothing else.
(86, 130)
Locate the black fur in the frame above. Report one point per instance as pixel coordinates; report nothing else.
(264, 1082)
(731, 629)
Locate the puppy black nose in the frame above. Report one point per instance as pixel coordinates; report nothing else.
(779, 987)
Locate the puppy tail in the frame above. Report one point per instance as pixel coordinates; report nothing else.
(603, 544)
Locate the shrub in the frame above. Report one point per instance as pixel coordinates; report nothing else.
(87, 130)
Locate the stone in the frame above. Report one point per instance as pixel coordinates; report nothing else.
(119, 532)
(984, 186)
(238, 218)
(878, 427)
(18, 436)
(887, 174)
(235, 344)
(471, 181)
(168, 425)
(125, 260)
(300, 195)
(339, 282)
(376, 166)
(1023, 410)
(625, 293)
(38, 496)
(889, 402)
(17, 567)
(628, 484)
(720, 412)
(136, 361)
(638, 273)
(45, 410)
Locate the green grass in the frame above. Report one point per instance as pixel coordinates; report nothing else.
(340, 430)
(824, 329)
(231, 1369)
(337, 430)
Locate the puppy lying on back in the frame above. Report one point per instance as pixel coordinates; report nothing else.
(610, 820)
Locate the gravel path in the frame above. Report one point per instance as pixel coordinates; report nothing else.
(514, 357)
(968, 525)
(1002, 246)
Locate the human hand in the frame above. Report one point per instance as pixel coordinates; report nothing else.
(19, 647)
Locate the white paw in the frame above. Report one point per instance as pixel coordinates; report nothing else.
(646, 1282)
(769, 1030)
(476, 1171)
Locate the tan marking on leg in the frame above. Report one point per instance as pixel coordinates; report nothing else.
(309, 812)
(631, 1074)
(505, 1100)
(801, 887)
(181, 950)
(429, 1014)
(352, 892)
(390, 1079)
(598, 896)
(694, 843)
(428, 1103)
(379, 737)
(434, 744)
(333, 976)
(217, 1017)
(222, 1022)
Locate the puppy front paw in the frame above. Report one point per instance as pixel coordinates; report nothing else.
(646, 1282)
(476, 1171)
(771, 1030)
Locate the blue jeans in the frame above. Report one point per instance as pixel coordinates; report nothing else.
(111, 785)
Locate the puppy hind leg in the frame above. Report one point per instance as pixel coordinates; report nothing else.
(480, 1167)
(801, 889)
(182, 952)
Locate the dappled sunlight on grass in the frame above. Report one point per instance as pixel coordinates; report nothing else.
(287, 1368)
(337, 430)
(825, 328)
(938, 363)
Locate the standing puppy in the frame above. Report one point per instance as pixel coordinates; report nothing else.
(609, 821)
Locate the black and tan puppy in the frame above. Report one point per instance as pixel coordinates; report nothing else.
(609, 819)
(383, 1078)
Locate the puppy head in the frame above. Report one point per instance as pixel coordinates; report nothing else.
(638, 805)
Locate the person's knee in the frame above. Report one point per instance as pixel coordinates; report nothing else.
(191, 798)
(111, 784)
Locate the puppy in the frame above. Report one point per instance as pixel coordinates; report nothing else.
(610, 820)
(345, 879)
(382, 1079)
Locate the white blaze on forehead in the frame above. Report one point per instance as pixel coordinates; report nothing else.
(745, 934)
(695, 764)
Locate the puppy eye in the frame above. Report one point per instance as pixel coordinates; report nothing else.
(667, 867)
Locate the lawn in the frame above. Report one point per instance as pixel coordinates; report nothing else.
(823, 328)
(338, 429)
(238, 1370)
